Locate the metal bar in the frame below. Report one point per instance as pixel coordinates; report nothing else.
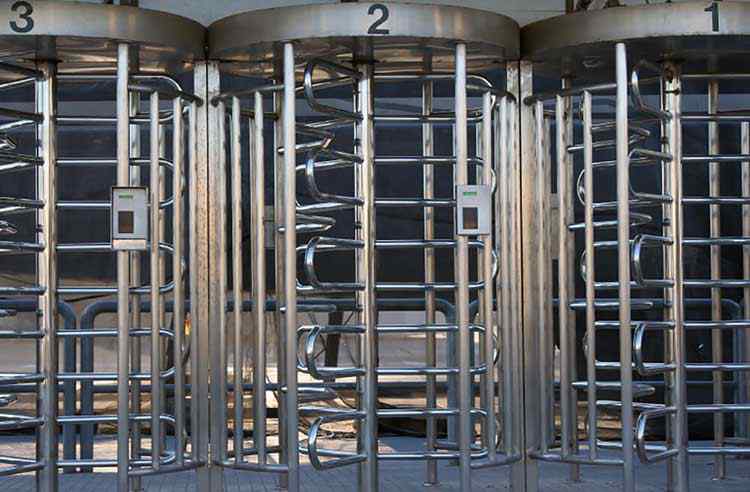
(205, 147)
(46, 100)
(123, 274)
(714, 186)
(366, 274)
(588, 170)
(465, 428)
(154, 277)
(279, 176)
(564, 202)
(219, 434)
(678, 397)
(623, 267)
(428, 192)
(237, 280)
(178, 309)
(257, 182)
(530, 370)
(135, 299)
(488, 297)
(290, 271)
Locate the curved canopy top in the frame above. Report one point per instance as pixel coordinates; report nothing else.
(398, 32)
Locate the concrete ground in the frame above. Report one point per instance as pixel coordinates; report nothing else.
(394, 477)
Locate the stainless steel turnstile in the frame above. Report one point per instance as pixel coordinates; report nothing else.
(361, 216)
(56, 58)
(307, 97)
(632, 135)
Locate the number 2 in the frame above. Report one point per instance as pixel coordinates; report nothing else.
(24, 10)
(384, 14)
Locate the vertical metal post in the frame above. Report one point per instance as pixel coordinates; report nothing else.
(673, 99)
(237, 280)
(278, 213)
(203, 305)
(465, 430)
(588, 174)
(503, 160)
(135, 299)
(623, 266)
(218, 279)
(428, 187)
(564, 202)
(46, 100)
(524, 475)
(488, 314)
(366, 274)
(155, 282)
(290, 269)
(178, 309)
(257, 182)
(543, 279)
(717, 346)
(123, 275)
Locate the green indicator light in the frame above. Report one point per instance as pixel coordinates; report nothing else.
(126, 197)
(470, 193)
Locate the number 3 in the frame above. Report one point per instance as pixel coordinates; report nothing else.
(384, 14)
(24, 10)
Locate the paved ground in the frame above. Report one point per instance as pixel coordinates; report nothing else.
(402, 477)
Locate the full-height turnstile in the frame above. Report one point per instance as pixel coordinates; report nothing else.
(635, 237)
(81, 91)
(309, 108)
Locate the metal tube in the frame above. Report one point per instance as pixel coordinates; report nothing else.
(564, 201)
(428, 187)
(623, 267)
(588, 170)
(542, 175)
(366, 273)
(257, 182)
(673, 91)
(290, 270)
(220, 236)
(178, 309)
(123, 274)
(504, 159)
(46, 101)
(488, 315)
(465, 428)
(278, 213)
(155, 270)
(714, 189)
(135, 299)
(237, 280)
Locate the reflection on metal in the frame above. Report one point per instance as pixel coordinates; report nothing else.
(338, 96)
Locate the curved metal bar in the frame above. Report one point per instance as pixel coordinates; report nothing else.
(330, 244)
(639, 242)
(343, 458)
(643, 368)
(640, 435)
(635, 90)
(309, 88)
